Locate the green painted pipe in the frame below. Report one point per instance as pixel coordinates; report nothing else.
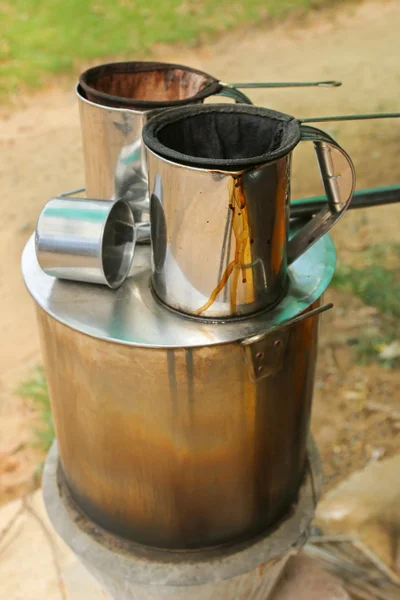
(306, 207)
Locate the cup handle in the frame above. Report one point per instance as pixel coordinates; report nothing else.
(229, 91)
(325, 147)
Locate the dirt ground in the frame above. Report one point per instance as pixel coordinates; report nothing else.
(41, 156)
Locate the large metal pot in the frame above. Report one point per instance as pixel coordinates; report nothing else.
(172, 432)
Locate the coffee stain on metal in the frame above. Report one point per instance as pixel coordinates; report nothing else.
(172, 376)
(243, 254)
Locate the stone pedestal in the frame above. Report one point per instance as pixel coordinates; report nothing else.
(28, 572)
(127, 571)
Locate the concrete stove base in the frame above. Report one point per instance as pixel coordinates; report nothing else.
(27, 566)
(127, 571)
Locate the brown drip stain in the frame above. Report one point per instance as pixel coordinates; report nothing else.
(243, 254)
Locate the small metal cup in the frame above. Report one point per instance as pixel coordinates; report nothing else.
(86, 240)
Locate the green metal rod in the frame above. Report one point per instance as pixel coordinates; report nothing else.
(287, 84)
(394, 115)
(306, 207)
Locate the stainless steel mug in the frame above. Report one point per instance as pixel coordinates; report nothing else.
(220, 181)
(86, 240)
(115, 101)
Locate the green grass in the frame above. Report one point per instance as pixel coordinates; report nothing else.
(376, 283)
(368, 350)
(40, 38)
(35, 390)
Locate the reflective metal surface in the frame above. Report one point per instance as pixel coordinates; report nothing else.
(178, 448)
(131, 315)
(86, 240)
(219, 237)
(115, 164)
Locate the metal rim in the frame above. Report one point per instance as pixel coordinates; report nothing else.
(117, 278)
(164, 119)
(132, 316)
(213, 87)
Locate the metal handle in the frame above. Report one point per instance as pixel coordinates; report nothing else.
(264, 353)
(72, 192)
(362, 117)
(330, 214)
(230, 91)
(285, 84)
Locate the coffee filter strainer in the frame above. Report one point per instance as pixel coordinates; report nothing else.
(223, 136)
(146, 85)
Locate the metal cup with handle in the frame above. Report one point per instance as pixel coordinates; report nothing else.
(219, 178)
(115, 102)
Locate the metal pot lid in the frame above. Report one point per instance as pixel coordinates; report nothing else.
(131, 315)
